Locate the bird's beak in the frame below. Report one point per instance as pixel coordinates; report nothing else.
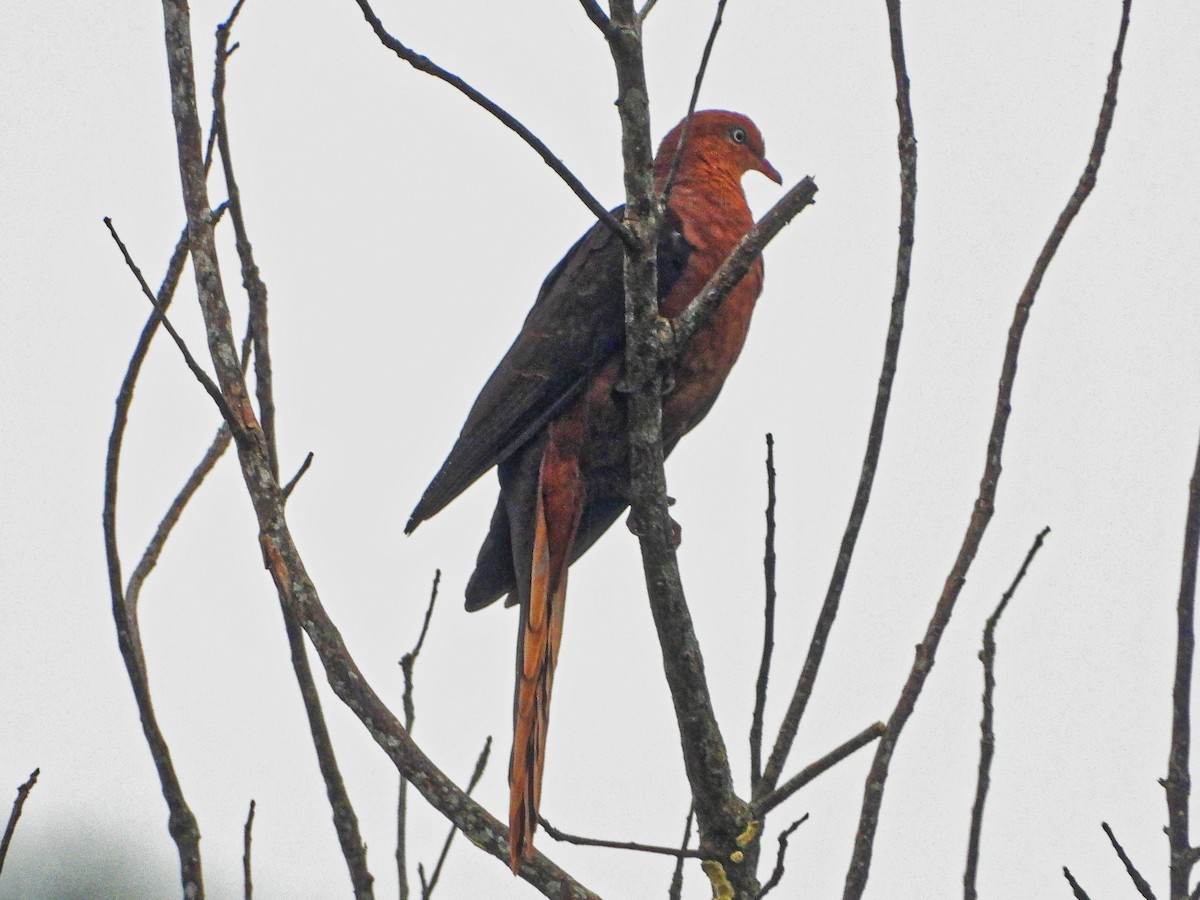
(769, 170)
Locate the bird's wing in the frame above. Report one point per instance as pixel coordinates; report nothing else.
(576, 323)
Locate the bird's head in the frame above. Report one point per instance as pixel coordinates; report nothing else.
(717, 141)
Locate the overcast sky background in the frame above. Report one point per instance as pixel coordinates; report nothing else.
(403, 234)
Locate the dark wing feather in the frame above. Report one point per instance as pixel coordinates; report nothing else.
(577, 322)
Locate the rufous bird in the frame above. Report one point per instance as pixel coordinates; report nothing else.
(552, 422)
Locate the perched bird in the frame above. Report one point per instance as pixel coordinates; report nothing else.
(552, 422)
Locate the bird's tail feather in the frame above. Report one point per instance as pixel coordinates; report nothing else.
(558, 507)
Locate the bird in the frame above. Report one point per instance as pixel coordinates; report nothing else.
(552, 420)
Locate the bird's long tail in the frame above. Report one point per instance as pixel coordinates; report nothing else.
(558, 507)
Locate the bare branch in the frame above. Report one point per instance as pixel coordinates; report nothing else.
(907, 146)
(681, 852)
(280, 553)
(698, 313)
(406, 666)
(15, 815)
(675, 892)
(295, 480)
(1178, 782)
(764, 666)
(426, 65)
(205, 381)
(476, 775)
(687, 122)
(815, 769)
(1080, 893)
(247, 881)
(777, 874)
(344, 817)
(856, 877)
(181, 822)
(1142, 885)
(987, 739)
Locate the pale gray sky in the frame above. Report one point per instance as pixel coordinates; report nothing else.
(403, 235)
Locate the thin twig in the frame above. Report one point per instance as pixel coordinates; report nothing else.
(247, 881)
(205, 381)
(987, 738)
(616, 845)
(691, 111)
(181, 823)
(295, 480)
(426, 65)
(476, 775)
(15, 815)
(777, 874)
(698, 313)
(764, 666)
(1142, 885)
(152, 552)
(856, 877)
(1080, 893)
(1178, 783)
(344, 817)
(675, 891)
(815, 769)
(907, 147)
(406, 666)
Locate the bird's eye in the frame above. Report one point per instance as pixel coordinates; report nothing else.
(738, 135)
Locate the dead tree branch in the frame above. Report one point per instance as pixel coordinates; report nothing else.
(987, 738)
(181, 822)
(856, 877)
(681, 852)
(407, 662)
(344, 817)
(280, 553)
(429, 67)
(764, 666)
(247, 881)
(675, 891)
(15, 815)
(1142, 885)
(781, 855)
(907, 144)
(1178, 783)
(815, 769)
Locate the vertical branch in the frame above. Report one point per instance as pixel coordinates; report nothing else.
(987, 738)
(907, 145)
(675, 891)
(721, 815)
(764, 666)
(181, 822)
(856, 877)
(247, 881)
(345, 819)
(1178, 783)
(15, 815)
(407, 661)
